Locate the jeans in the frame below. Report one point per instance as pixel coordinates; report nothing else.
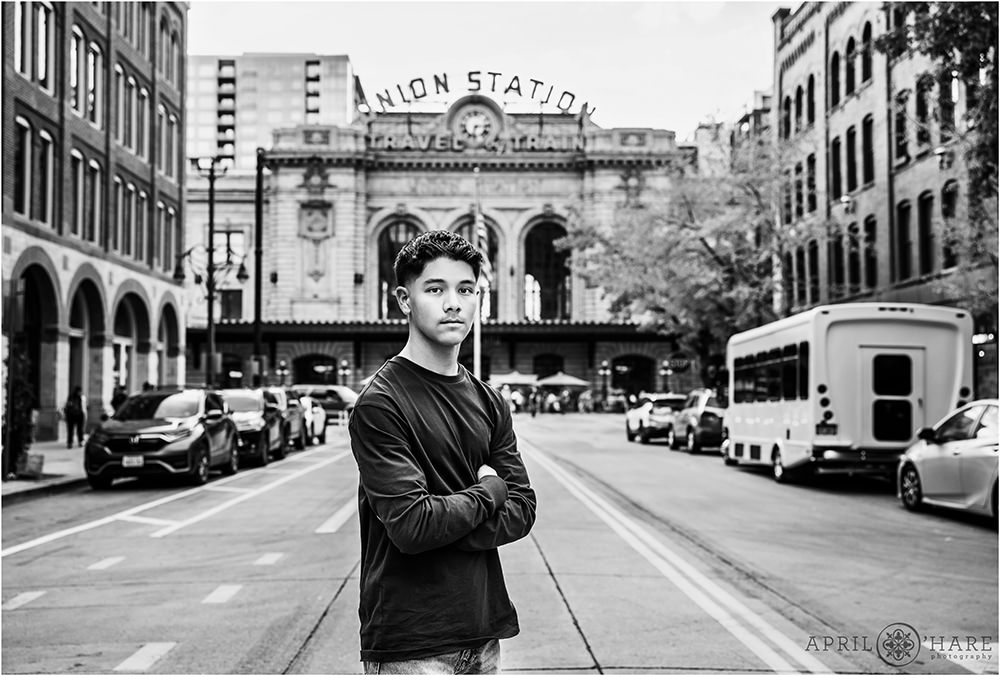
(482, 660)
(74, 421)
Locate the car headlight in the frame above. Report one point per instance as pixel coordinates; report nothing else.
(177, 435)
(98, 437)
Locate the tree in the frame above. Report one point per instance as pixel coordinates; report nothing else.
(960, 38)
(698, 260)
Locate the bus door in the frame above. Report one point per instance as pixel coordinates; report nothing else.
(892, 389)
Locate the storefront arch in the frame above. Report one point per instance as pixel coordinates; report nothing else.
(130, 341)
(633, 373)
(547, 276)
(168, 348)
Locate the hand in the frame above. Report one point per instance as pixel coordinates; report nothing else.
(485, 470)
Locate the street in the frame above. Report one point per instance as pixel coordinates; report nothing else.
(641, 559)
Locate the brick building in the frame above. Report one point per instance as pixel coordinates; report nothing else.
(92, 198)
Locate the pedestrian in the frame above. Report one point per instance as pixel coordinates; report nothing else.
(75, 413)
(442, 484)
(118, 396)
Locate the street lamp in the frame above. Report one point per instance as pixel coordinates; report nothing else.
(344, 372)
(605, 373)
(210, 168)
(282, 371)
(665, 373)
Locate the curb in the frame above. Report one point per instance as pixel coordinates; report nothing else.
(43, 490)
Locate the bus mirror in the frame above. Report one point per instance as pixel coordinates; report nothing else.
(927, 434)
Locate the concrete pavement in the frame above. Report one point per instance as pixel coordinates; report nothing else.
(62, 469)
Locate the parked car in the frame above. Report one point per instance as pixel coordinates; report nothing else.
(652, 416)
(315, 417)
(293, 424)
(164, 432)
(954, 463)
(258, 424)
(337, 400)
(615, 402)
(700, 422)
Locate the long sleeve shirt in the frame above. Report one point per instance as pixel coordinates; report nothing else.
(431, 580)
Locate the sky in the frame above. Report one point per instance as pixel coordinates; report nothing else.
(666, 65)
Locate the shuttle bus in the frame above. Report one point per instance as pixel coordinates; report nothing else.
(843, 388)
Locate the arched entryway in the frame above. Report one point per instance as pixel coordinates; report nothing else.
(168, 349)
(390, 241)
(544, 365)
(86, 344)
(547, 280)
(321, 368)
(130, 343)
(33, 369)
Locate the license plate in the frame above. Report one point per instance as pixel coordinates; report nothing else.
(826, 428)
(132, 461)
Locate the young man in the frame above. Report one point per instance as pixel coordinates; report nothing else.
(442, 483)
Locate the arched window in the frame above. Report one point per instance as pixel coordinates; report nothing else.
(868, 149)
(836, 187)
(949, 206)
(834, 79)
(904, 247)
(947, 95)
(546, 273)
(853, 259)
(175, 58)
(900, 132)
(852, 159)
(786, 121)
(798, 108)
(866, 53)
(849, 57)
(811, 183)
(800, 275)
(390, 241)
(925, 232)
(922, 104)
(467, 230)
(836, 263)
(871, 252)
(811, 100)
(22, 166)
(813, 271)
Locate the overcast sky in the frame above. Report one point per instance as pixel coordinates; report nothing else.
(667, 65)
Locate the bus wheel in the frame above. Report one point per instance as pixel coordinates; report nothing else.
(778, 470)
(911, 492)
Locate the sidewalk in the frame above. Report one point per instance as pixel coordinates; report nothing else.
(62, 469)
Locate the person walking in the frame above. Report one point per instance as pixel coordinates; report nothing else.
(75, 413)
(442, 485)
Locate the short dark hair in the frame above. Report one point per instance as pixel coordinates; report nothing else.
(429, 246)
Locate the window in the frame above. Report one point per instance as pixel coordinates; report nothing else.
(94, 190)
(866, 53)
(834, 79)
(22, 166)
(836, 189)
(161, 141)
(903, 245)
(141, 212)
(949, 203)
(172, 147)
(902, 152)
(159, 238)
(76, 77)
(852, 159)
(813, 271)
(119, 104)
(95, 84)
(798, 109)
(811, 100)
(175, 58)
(21, 37)
(786, 120)
(46, 178)
(789, 372)
(163, 47)
(43, 46)
(129, 113)
(786, 191)
(128, 221)
(871, 253)
(788, 277)
(837, 264)
(142, 124)
(922, 104)
(868, 150)
(390, 242)
(800, 275)
(811, 183)
(142, 35)
(925, 232)
(853, 260)
(947, 95)
(849, 58)
(170, 237)
(76, 197)
(231, 303)
(116, 223)
(798, 190)
(804, 370)
(960, 426)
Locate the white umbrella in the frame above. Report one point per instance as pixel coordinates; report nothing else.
(514, 378)
(561, 379)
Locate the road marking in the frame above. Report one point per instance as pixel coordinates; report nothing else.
(225, 489)
(130, 514)
(148, 520)
(246, 496)
(223, 593)
(21, 599)
(967, 660)
(268, 559)
(106, 563)
(692, 582)
(145, 657)
(339, 517)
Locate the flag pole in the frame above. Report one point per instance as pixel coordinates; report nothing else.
(477, 322)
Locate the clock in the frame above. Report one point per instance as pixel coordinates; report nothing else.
(475, 124)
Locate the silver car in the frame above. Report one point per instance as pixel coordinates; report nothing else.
(954, 463)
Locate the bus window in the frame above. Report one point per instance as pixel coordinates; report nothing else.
(774, 375)
(789, 372)
(892, 375)
(760, 377)
(803, 370)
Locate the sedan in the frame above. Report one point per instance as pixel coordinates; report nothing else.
(652, 416)
(954, 463)
(700, 422)
(258, 423)
(181, 433)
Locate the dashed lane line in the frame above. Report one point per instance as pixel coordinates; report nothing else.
(145, 657)
(131, 513)
(268, 559)
(148, 520)
(22, 599)
(339, 518)
(694, 584)
(106, 563)
(223, 593)
(225, 489)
